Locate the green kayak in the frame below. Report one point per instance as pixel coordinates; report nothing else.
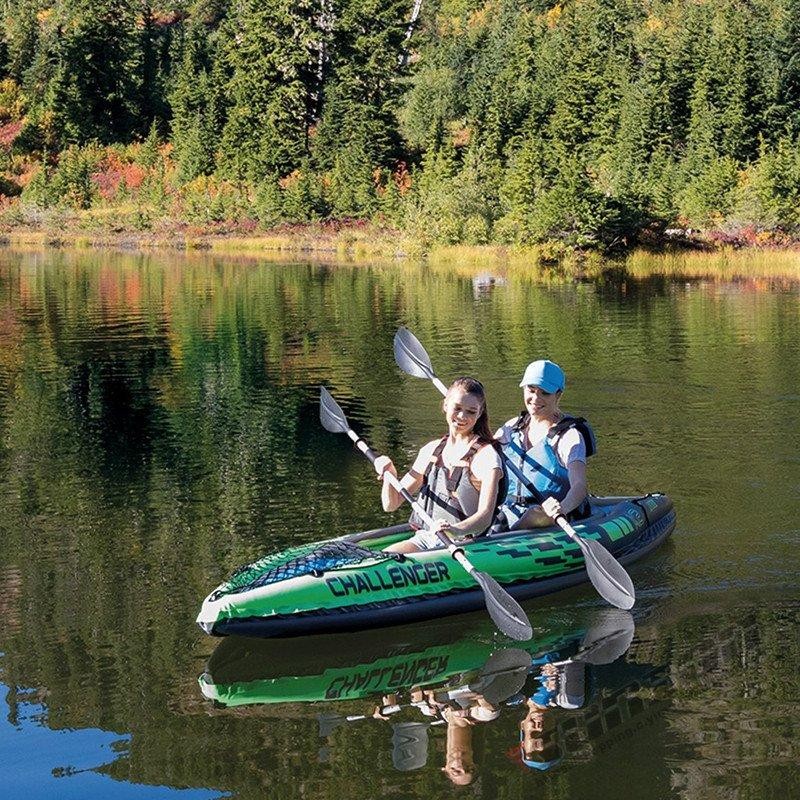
(350, 583)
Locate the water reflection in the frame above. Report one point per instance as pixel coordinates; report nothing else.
(458, 684)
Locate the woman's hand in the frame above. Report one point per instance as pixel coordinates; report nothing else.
(457, 717)
(552, 508)
(441, 525)
(382, 465)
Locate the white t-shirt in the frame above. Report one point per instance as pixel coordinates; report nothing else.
(483, 462)
(569, 447)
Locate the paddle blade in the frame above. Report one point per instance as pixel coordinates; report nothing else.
(330, 415)
(504, 610)
(503, 675)
(608, 637)
(510, 659)
(328, 723)
(410, 355)
(607, 574)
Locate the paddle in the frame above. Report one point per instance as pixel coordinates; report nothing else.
(503, 675)
(329, 722)
(606, 640)
(606, 574)
(502, 607)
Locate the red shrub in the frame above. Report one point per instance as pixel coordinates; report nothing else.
(114, 174)
(9, 132)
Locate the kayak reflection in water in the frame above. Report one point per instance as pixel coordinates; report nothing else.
(457, 476)
(545, 452)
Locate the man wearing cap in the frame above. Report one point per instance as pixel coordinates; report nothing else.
(545, 454)
(539, 745)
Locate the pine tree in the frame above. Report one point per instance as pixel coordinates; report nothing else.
(725, 103)
(94, 87)
(525, 180)
(785, 114)
(197, 100)
(357, 132)
(154, 45)
(21, 37)
(271, 48)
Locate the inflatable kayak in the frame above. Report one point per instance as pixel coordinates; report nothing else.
(349, 583)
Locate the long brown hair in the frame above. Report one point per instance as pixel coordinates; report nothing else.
(474, 386)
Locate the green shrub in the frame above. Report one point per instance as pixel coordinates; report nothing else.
(303, 199)
(12, 101)
(211, 199)
(40, 191)
(476, 230)
(268, 205)
(72, 179)
(710, 196)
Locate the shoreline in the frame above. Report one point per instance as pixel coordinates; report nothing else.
(355, 243)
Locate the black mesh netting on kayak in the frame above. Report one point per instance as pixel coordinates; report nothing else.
(311, 559)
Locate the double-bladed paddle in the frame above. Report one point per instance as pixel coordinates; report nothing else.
(606, 573)
(502, 607)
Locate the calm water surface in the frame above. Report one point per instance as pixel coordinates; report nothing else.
(159, 428)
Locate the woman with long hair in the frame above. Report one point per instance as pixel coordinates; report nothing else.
(457, 476)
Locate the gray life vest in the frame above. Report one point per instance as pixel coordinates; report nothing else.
(444, 495)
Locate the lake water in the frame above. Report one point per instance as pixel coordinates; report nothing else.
(159, 427)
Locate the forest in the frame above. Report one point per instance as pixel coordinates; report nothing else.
(593, 123)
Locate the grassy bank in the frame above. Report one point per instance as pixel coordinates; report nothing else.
(358, 242)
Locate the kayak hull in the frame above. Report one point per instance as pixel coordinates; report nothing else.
(382, 592)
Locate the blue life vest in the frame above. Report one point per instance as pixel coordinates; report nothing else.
(543, 475)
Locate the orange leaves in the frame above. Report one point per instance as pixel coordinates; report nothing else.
(114, 175)
(402, 178)
(552, 16)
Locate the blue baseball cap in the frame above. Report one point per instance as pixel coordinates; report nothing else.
(542, 764)
(544, 374)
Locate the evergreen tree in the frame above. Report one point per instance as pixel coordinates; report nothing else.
(21, 37)
(154, 45)
(271, 49)
(525, 180)
(357, 132)
(198, 104)
(785, 114)
(94, 83)
(352, 189)
(726, 103)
